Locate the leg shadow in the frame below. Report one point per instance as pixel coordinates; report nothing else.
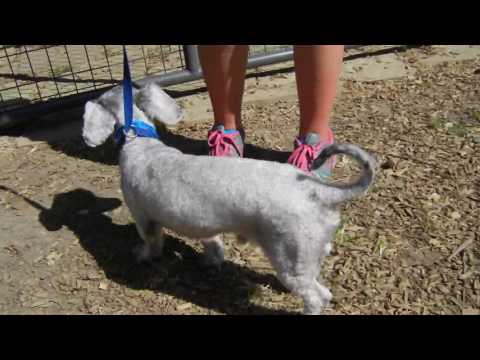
(200, 147)
(67, 138)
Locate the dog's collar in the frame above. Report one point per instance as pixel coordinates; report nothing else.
(137, 128)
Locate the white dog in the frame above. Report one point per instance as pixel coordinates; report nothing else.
(290, 215)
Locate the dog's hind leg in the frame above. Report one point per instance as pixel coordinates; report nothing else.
(297, 263)
(153, 241)
(214, 251)
(314, 295)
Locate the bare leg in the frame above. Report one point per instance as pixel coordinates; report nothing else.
(317, 69)
(224, 69)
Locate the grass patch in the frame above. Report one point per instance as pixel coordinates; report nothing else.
(455, 128)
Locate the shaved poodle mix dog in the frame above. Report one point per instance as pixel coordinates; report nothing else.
(292, 216)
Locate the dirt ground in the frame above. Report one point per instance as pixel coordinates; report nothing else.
(410, 246)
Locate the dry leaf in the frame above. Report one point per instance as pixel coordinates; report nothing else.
(470, 311)
(455, 215)
(41, 303)
(52, 258)
(461, 248)
(184, 307)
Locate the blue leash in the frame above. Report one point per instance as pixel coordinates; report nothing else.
(127, 92)
(140, 128)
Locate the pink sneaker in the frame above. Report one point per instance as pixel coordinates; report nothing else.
(227, 143)
(307, 150)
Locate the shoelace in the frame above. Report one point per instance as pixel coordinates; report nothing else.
(219, 142)
(303, 156)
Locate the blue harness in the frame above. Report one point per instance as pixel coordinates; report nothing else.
(132, 127)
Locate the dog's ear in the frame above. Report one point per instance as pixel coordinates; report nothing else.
(158, 105)
(98, 124)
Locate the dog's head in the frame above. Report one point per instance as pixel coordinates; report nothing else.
(151, 103)
(158, 105)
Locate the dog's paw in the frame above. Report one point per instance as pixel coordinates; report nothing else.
(328, 249)
(142, 253)
(326, 295)
(211, 261)
(214, 254)
(316, 305)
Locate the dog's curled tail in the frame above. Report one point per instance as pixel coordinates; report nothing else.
(349, 191)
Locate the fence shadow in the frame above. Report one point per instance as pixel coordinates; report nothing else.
(58, 79)
(178, 273)
(62, 131)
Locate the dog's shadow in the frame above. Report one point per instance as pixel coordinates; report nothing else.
(177, 273)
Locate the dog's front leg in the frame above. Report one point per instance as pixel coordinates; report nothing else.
(153, 238)
(214, 254)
